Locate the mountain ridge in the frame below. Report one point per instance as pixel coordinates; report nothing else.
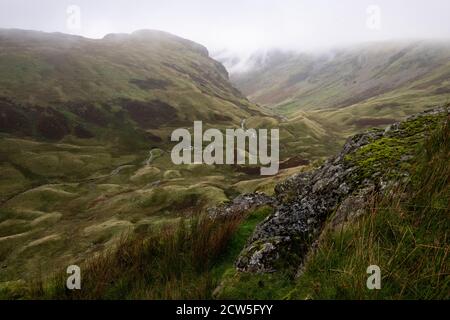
(134, 73)
(409, 76)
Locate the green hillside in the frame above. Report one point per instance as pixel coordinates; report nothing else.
(149, 78)
(85, 165)
(84, 142)
(354, 87)
(402, 229)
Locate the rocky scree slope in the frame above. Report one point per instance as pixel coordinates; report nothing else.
(369, 163)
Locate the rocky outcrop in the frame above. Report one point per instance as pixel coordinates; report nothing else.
(368, 163)
(241, 204)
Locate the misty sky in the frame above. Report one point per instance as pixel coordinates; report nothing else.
(240, 26)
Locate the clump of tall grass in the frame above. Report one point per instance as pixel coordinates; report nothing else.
(171, 263)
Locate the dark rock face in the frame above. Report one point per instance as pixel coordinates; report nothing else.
(88, 112)
(27, 120)
(52, 124)
(307, 199)
(13, 118)
(149, 114)
(81, 132)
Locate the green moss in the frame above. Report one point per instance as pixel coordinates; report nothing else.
(419, 125)
(386, 155)
(379, 155)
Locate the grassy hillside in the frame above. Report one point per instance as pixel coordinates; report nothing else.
(356, 87)
(84, 150)
(85, 154)
(54, 85)
(403, 231)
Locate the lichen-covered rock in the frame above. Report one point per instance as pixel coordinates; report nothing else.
(352, 207)
(367, 164)
(241, 205)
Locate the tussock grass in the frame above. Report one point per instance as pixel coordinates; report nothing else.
(170, 263)
(184, 260)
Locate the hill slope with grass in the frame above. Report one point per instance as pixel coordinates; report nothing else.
(85, 144)
(357, 87)
(84, 150)
(391, 209)
(87, 177)
(53, 85)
